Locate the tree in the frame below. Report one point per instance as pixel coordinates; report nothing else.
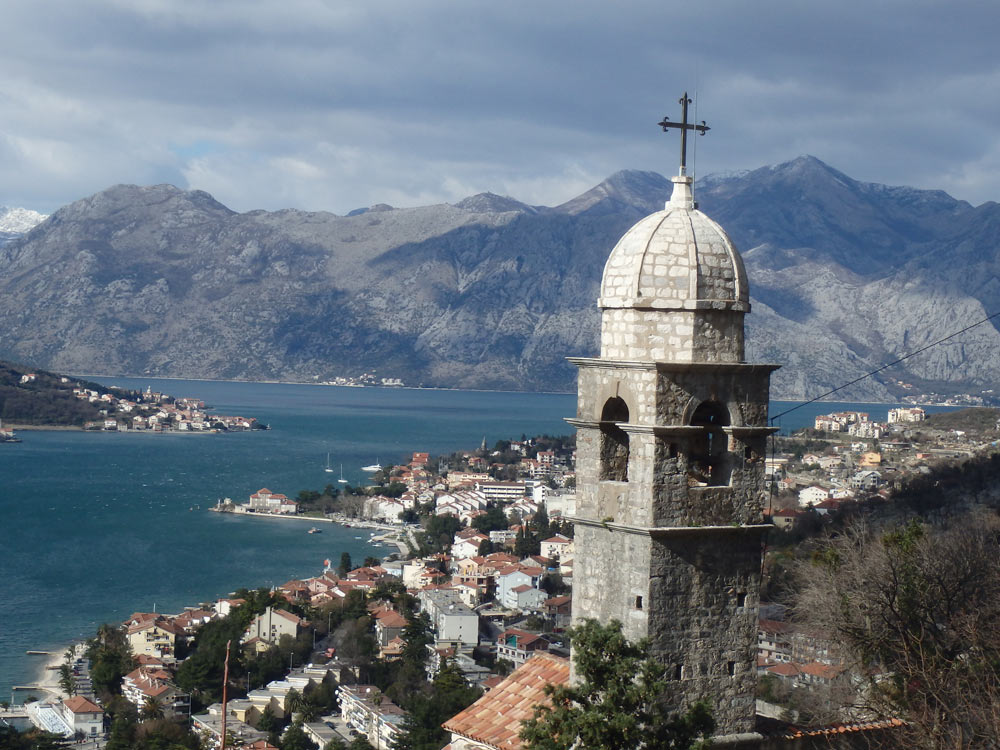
(916, 613)
(66, 681)
(486, 547)
(494, 519)
(449, 694)
(152, 708)
(295, 738)
(526, 543)
(345, 564)
(617, 703)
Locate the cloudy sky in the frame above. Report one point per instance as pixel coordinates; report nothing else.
(333, 105)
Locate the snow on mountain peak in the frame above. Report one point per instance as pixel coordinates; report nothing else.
(19, 220)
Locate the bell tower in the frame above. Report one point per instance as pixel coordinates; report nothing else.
(671, 434)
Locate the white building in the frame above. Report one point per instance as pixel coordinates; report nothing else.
(915, 414)
(812, 495)
(83, 716)
(270, 625)
(502, 491)
(453, 620)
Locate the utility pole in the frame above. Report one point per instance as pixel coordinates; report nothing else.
(225, 683)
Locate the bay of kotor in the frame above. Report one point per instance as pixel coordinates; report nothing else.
(100, 524)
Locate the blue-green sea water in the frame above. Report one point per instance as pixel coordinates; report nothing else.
(98, 525)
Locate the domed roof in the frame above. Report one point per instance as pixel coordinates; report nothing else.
(675, 259)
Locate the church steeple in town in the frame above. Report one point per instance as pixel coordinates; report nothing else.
(671, 431)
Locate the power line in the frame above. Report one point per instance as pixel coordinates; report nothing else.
(884, 367)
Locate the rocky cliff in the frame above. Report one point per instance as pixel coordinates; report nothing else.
(493, 293)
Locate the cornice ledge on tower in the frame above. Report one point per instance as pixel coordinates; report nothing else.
(624, 364)
(663, 303)
(662, 430)
(749, 430)
(741, 739)
(672, 530)
(748, 368)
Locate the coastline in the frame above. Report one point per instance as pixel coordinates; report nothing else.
(39, 427)
(350, 523)
(46, 685)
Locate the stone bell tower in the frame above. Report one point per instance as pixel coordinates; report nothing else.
(671, 435)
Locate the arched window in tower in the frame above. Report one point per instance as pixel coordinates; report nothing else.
(614, 441)
(709, 461)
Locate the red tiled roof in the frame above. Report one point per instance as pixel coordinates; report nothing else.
(392, 620)
(790, 732)
(491, 682)
(818, 669)
(495, 719)
(774, 626)
(80, 705)
(784, 670)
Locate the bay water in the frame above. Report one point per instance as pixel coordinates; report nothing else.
(96, 526)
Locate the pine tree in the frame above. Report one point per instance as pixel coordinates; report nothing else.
(617, 703)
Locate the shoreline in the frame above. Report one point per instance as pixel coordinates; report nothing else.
(46, 687)
(386, 529)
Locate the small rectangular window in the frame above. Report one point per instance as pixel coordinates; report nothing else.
(732, 669)
(673, 450)
(747, 453)
(741, 600)
(638, 602)
(678, 671)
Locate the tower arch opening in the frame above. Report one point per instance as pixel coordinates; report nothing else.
(614, 440)
(708, 464)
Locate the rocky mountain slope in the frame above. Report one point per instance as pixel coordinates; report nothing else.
(493, 293)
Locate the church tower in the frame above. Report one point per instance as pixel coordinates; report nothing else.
(671, 436)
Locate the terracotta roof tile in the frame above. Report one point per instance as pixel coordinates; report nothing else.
(80, 705)
(495, 719)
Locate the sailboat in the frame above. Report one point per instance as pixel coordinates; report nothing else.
(372, 467)
(342, 480)
(329, 469)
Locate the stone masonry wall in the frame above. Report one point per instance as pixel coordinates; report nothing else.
(672, 336)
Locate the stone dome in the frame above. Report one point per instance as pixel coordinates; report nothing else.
(675, 259)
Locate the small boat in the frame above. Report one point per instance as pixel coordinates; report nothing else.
(342, 480)
(314, 530)
(329, 469)
(372, 467)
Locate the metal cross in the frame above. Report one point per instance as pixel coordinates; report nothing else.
(684, 127)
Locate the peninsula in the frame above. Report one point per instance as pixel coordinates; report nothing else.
(40, 400)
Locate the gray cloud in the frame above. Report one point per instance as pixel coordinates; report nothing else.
(335, 105)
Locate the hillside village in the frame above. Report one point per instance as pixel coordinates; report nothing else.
(483, 583)
(847, 457)
(158, 412)
(44, 399)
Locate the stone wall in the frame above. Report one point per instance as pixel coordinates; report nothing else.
(702, 335)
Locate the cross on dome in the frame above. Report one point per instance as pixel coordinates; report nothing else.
(684, 126)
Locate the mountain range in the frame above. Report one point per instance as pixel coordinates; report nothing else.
(489, 292)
